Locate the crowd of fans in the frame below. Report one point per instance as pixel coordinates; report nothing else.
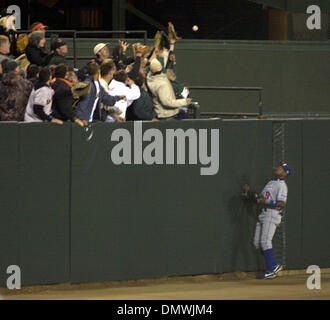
(38, 86)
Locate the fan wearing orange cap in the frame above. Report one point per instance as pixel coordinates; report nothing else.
(38, 26)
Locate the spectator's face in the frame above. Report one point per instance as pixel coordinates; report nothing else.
(42, 42)
(62, 51)
(16, 71)
(104, 53)
(5, 47)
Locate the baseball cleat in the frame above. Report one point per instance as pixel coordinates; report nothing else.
(278, 268)
(267, 275)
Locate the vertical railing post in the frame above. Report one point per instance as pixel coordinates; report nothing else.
(260, 103)
(145, 37)
(74, 49)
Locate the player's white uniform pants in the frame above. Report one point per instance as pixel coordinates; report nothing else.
(269, 219)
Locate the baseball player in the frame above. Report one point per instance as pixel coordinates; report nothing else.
(273, 201)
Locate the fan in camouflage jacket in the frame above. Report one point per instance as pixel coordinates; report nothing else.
(14, 96)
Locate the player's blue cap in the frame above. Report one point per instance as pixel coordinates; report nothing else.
(286, 168)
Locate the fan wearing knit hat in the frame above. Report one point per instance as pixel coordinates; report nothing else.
(166, 105)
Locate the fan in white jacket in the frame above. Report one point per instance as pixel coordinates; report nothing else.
(122, 85)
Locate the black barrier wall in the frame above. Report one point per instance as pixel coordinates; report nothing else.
(9, 166)
(69, 214)
(35, 201)
(137, 221)
(315, 193)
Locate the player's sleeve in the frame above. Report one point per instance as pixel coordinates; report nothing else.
(282, 193)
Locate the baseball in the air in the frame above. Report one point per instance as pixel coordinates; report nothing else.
(195, 28)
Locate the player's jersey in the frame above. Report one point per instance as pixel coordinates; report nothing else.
(275, 190)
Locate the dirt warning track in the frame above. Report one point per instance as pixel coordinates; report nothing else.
(289, 285)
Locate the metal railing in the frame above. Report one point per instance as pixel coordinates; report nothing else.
(75, 34)
(259, 89)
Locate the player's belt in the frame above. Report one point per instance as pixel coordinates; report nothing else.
(279, 211)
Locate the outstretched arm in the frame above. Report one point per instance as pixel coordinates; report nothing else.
(255, 197)
(249, 195)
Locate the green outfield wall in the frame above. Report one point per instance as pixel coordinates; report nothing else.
(69, 214)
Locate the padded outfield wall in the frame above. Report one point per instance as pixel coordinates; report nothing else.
(69, 214)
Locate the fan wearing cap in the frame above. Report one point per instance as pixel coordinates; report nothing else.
(102, 52)
(38, 26)
(14, 92)
(272, 200)
(59, 49)
(166, 105)
(9, 65)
